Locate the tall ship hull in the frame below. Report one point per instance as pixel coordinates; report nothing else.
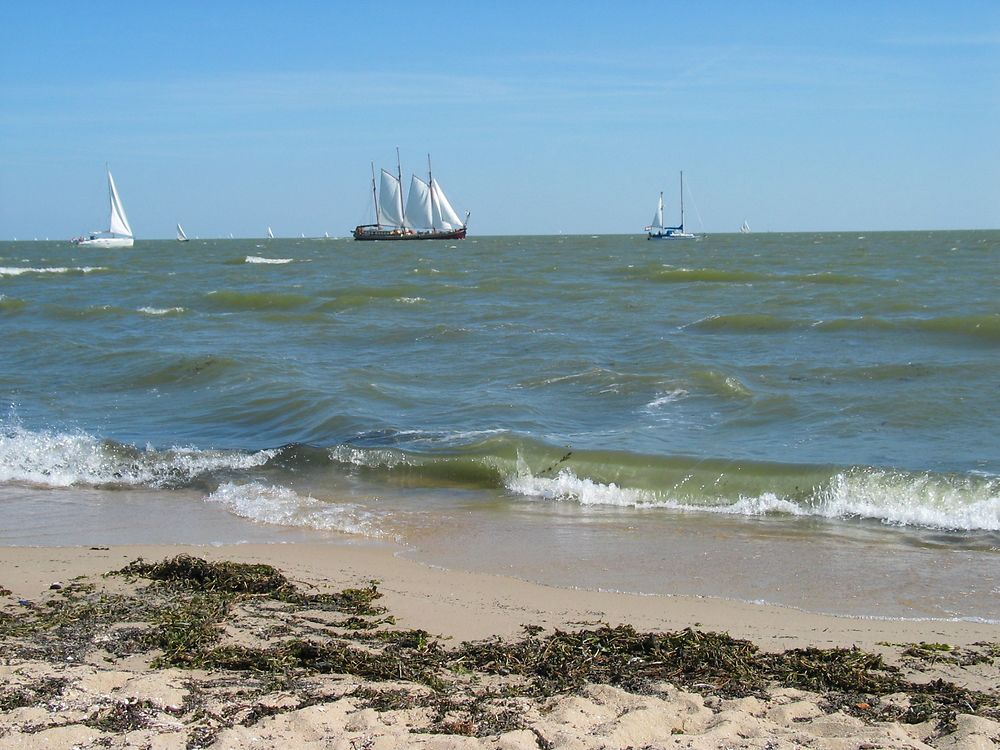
(375, 233)
(427, 214)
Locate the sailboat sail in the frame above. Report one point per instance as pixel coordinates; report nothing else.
(270, 234)
(181, 237)
(444, 215)
(118, 223)
(657, 222)
(390, 201)
(418, 204)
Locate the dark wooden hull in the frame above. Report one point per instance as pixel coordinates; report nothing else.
(367, 233)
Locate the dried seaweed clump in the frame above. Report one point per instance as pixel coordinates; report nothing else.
(236, 579)
(195, 574)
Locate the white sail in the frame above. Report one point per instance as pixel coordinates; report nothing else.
(270, 234)
(444, 215)
(180, 234)
(657, 222)
(418, 204)
(390, 197)
(118, 223)
(745, 228)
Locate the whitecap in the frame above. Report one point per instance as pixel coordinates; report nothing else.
(17, 271)
(160, 310)
(273, 261)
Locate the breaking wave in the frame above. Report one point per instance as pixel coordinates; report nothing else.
(503, 463)
(53, 459)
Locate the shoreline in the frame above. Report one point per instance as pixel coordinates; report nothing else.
(436, 598)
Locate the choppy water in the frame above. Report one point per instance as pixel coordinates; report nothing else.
(797, 418)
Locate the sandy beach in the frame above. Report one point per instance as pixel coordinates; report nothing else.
(97, 692)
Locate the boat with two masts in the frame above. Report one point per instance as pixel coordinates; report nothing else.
(118, 233)
(427, 215)
(658, 231)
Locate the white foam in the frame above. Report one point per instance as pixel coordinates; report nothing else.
(896, 499)
(914, 500)
(258, 259)
(17, 271)
(282, 506)
(665, 398)
(160, 310)
(567, 486)
(53, 459)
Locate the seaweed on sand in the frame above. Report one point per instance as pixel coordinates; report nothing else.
(183, 615)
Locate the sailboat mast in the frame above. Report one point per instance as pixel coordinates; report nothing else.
(378, 219)
(682, 200)
(399, 176)
(430, 184)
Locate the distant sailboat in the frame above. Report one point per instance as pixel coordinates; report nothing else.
(118, 233)
(428, 214)
(270, 234)
(745, 228)
(181, 237)
(658, 231)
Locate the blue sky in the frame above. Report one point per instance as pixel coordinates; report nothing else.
(541, 117)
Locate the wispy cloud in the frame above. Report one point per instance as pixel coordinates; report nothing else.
(988, 39)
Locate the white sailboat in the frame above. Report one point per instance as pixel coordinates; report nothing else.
(118, 233)
(428, 214)
(270, 234)
(744, 227)
(658, 231)
(181, 237)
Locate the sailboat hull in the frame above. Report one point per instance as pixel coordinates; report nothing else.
(671, 236)
(105, 242)
(373, 233)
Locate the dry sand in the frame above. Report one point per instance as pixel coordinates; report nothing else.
(328, 711)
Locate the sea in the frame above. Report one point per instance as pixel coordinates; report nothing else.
(810, 420)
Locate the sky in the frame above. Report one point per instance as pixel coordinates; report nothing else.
(540, 117)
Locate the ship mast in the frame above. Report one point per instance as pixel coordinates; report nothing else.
(399, 176)
(430, 184)
(378, 220)
(682, 201)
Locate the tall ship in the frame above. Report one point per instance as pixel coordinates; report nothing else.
(119, 231)
(657, 231)
(427, 215)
